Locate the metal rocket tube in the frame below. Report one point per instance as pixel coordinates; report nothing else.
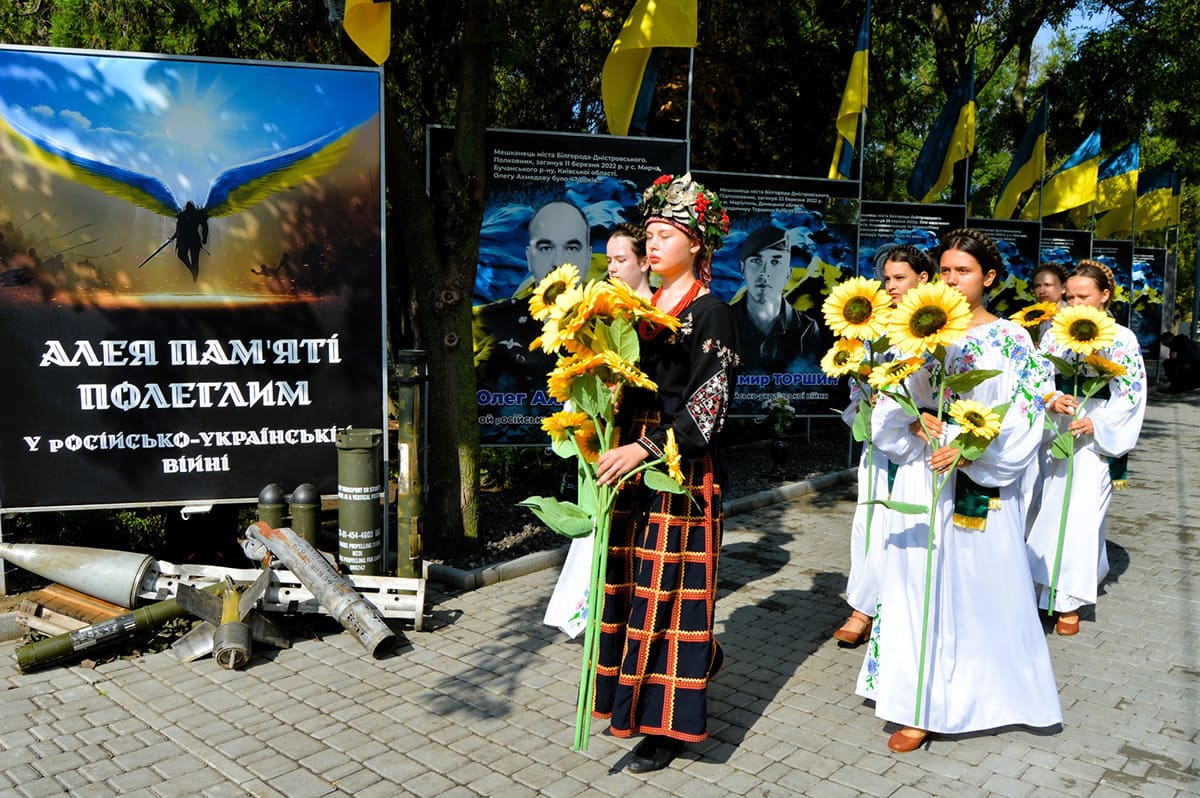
(71, 645)
(330, 588)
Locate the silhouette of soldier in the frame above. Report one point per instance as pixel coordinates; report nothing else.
(191, 234)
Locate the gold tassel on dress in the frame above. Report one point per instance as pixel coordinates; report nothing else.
(970, 524)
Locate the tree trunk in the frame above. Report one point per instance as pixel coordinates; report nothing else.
(440, 237)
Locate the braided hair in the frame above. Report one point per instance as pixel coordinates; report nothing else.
(1099, 274)
(917, 259)
(636, 236)
(978, 245)
(1054, 267)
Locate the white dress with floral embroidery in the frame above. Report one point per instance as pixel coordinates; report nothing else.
(1118, 422)
(987, 664)
(862, 582)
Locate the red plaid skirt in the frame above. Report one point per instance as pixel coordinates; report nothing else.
(657, 650)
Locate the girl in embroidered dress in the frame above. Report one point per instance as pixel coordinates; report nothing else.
(657, 650)
(986, 662)
(906, 267)
(1049, 283)
(1105, 432)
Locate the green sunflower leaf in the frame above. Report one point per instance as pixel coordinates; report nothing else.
(657, 480)
(1064, 367)
(1063, 446)
(565, 518)
(961, 383)
(907, 508)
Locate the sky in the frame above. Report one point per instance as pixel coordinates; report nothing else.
(182, 121)
(1077, 25)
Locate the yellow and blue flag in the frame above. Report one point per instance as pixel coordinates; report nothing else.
(630, 71)
(854, 101)
(1072, 184)
(1116, 193)
(1116, 182)
(951, 140)
(1028, 164)
(368, 23)
(1158, 199)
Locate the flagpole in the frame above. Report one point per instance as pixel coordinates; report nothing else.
(1042, 179)
(966, 187)
(862, 150)
(688, 125)
(1133, 218)
(1195, 290)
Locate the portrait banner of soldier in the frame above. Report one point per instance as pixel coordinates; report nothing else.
(790, 241)
(883, 226)
(191, 275)
(1118, 256)
(552, 198)
(1019, 245)
(1147, 310)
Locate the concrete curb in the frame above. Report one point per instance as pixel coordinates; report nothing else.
(522, 566)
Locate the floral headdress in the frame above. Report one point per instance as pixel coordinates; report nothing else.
(684, 203)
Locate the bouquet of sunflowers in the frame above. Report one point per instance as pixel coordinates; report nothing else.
(856, 310)
(1083, 331)
(592, 328)
(927, 319)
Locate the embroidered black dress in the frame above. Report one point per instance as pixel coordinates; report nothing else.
(657, 650)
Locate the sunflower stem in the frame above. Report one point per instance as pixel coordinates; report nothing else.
(870, 494)
(939, 482)
(1062, 520)
(595, 601)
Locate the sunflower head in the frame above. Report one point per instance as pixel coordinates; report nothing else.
(1084, 329)
(547, 293)
(1104, 367)
(975, 418)
(854, 308)
(929, 316)
(567, 370)
(588, 441)
(613, 297)
(844, 357)
(887, 374)
(1034, 315)
(671, 455)
(562, 424)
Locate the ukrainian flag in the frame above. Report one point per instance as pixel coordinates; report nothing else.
(1028, 164)
(1072, 184)
(1116, 182)
(1116, 193)
(854, 101)
(627, 82)
(951, 140)
(368, 23)
(1158, 199)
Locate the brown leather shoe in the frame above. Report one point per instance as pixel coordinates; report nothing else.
(907, 739)
(855, 630)
(1067, 624)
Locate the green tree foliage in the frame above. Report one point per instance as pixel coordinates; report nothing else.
(765, 85)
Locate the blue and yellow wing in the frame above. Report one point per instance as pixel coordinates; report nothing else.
(243, 186)
(142, 190)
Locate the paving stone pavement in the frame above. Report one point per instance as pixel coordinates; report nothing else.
(482, 703)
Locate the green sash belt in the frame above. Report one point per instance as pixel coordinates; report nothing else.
(972, 502)
(1118, 471)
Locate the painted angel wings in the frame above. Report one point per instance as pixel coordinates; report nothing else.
(233, 190)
